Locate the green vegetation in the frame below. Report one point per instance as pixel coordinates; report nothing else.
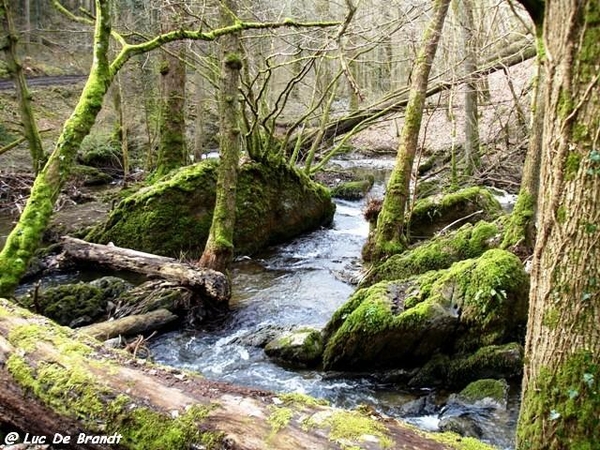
(485, 388)
(440, 252)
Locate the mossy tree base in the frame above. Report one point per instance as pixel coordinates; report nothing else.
(75, 385)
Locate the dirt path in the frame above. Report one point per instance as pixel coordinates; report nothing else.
(8, 85)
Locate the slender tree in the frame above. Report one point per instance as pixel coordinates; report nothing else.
(9, 46)
(218, 252)
(389, 236)
(561, 387)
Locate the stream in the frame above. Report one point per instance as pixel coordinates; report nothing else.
(302, 283)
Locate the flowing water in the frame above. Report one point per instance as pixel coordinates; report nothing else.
(299, 283)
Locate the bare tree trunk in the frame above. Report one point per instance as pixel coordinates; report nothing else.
(389, 236)
(218, 252)
(15, 68)
(471, 150)
(561, 386)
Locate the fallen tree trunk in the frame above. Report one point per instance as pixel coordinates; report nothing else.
(509, 56)
(210, 283)
(130, 325)
(52, 381)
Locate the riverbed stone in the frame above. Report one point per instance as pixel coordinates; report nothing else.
(172, 217)
(301, 347)
(455, 312)
(468, 412)
(434, 213)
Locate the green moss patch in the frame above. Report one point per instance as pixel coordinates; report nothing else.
(440, 252)
(432, 214)
(173, 216)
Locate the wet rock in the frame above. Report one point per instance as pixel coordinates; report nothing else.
(468, 412)
(301, 347)
(173, 216)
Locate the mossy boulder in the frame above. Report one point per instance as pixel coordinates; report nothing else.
(299, 348)
(434, 213)
(173, 216)
(441, 252)
(405, 323)
(480, 391)
(353, 190)
(70, 304)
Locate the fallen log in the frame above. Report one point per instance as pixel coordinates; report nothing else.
(130, 325)
(210, 283)
(508, 56)
(53, 381)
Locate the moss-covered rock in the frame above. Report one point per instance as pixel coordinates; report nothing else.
(69, 304)
(440, 252)
(173, 216)
(433, 214)
(456, 311)
(488, 388)
(353, 190)
(301, 348)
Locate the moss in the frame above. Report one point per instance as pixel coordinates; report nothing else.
(486, 388)
(459, 442)
(298, 399)
(70, 388)
(349, 427)
(142, 428)
(353, 190)
(279, 418)
(233, 61)
(561, 404)
(502, 361)
(516, 231)
(431, 214)
(551, 318)
(64, 304)
(474, 303)
(439, 253)
(274, 203)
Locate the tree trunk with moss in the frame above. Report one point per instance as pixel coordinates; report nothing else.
(172, 151)
(9, 46)
(218, 252)
(53, 380)
(520, 231)
(471, 125)
(561, 387)
(25, 238)
(389, 236)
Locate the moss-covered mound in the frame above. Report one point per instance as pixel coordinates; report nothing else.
(440, 252)
(353, 190)
(406, 323)
(300, 348)
(173, 216)
(434, 213)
